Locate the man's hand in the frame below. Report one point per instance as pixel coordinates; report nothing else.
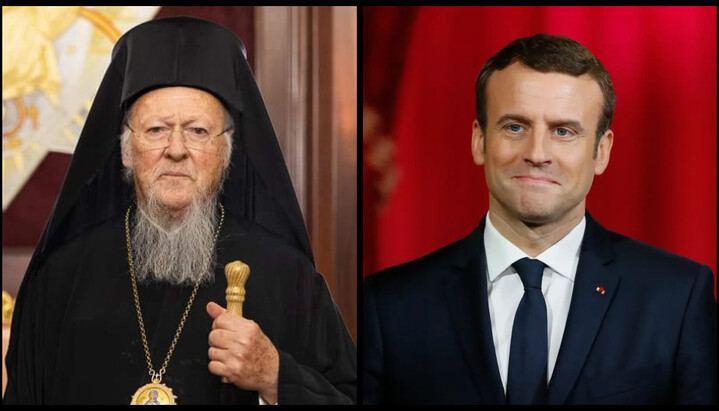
(240, 351)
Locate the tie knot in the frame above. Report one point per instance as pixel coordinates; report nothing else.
(530, 271)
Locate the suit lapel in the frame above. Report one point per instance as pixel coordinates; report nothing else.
(466, 300)
(587, 309)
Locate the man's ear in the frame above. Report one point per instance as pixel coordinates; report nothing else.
(603, 150)
(125, 147)
(227, 158)
(477, 144)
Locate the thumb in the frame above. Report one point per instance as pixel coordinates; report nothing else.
(215, 310)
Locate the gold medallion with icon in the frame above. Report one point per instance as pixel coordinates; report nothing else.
(153, 394)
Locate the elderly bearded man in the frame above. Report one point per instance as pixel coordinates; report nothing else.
(121, 296)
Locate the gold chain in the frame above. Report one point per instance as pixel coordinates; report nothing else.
(157, 376)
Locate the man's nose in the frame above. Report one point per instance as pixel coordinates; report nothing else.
(176, 148)
(537, 150)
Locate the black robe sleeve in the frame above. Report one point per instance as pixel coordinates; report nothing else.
(33, 344)
(24, 358)
(328, 348)
(292, 304)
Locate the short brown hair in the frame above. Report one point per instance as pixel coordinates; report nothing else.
(548, 54)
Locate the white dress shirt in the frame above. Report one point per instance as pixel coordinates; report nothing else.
(505, 289)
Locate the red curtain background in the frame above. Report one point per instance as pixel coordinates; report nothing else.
(421, 188)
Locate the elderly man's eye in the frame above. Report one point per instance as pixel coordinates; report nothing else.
(155, 130)
(198, 131)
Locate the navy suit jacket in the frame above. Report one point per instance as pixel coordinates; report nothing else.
(649, 339)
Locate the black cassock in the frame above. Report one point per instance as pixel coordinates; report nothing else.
(87, 347)
(75, 337)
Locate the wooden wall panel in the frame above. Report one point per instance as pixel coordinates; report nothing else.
(306, 66)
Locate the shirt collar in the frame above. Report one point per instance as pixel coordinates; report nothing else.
(562, 257)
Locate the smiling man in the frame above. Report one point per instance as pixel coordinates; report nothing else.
(540, 304)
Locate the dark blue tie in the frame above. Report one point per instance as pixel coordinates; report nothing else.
(527, 377)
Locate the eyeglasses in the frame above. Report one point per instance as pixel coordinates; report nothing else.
(159, 137)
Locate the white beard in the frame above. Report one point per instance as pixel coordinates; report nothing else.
(182, 252)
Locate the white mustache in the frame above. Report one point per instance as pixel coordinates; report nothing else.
(188, 172)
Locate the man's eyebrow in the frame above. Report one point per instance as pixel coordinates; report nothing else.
(200, 118)
(576, 125)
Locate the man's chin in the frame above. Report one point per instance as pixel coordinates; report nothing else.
(536, 217)
(174, 206)
(173, 203)
(168, 212)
